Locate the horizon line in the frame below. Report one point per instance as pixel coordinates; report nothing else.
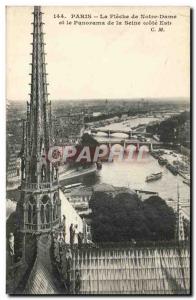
(110, 99)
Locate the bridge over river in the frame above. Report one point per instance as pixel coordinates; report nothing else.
(129, 132)
(134, 137)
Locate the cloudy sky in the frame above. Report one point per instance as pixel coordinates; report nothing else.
(89, 62)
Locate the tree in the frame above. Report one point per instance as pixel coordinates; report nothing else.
(172, 129)
(160, 218)
(126, 217)
(88, 140)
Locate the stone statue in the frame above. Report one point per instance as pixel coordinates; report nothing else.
(11, 245)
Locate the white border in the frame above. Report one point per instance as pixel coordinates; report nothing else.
(3, 3)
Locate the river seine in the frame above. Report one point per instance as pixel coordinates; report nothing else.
(132, 174)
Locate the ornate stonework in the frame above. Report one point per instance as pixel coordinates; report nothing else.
(40, 206)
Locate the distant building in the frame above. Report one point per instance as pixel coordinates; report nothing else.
(112, 190)
(124, 117)
(80, 197)
(68, 128)
(96, 114)
(13, 172)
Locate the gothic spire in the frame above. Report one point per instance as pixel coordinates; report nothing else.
(38, 110)
(39, 207)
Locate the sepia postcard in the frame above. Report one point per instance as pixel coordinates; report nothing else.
(98, 150)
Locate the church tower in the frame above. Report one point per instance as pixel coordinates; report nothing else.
(39, 206)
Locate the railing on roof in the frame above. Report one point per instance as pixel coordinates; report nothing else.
(39, 186)
(142, 244)
(131, 245)
(123, 271)
(43, 227)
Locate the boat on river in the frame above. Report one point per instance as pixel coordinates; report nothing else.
(74, 185)
(187, 181)
(154, 176)
(162, 161)
(172, 169)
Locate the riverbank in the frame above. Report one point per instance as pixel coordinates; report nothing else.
(68, 176)
(175, 161)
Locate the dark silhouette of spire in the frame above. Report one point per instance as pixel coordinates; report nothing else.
(38, 130)
(40, 206)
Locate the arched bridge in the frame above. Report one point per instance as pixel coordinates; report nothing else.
(123, 142)
(109, 132)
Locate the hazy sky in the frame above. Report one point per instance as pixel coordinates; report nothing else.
(101, 62)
